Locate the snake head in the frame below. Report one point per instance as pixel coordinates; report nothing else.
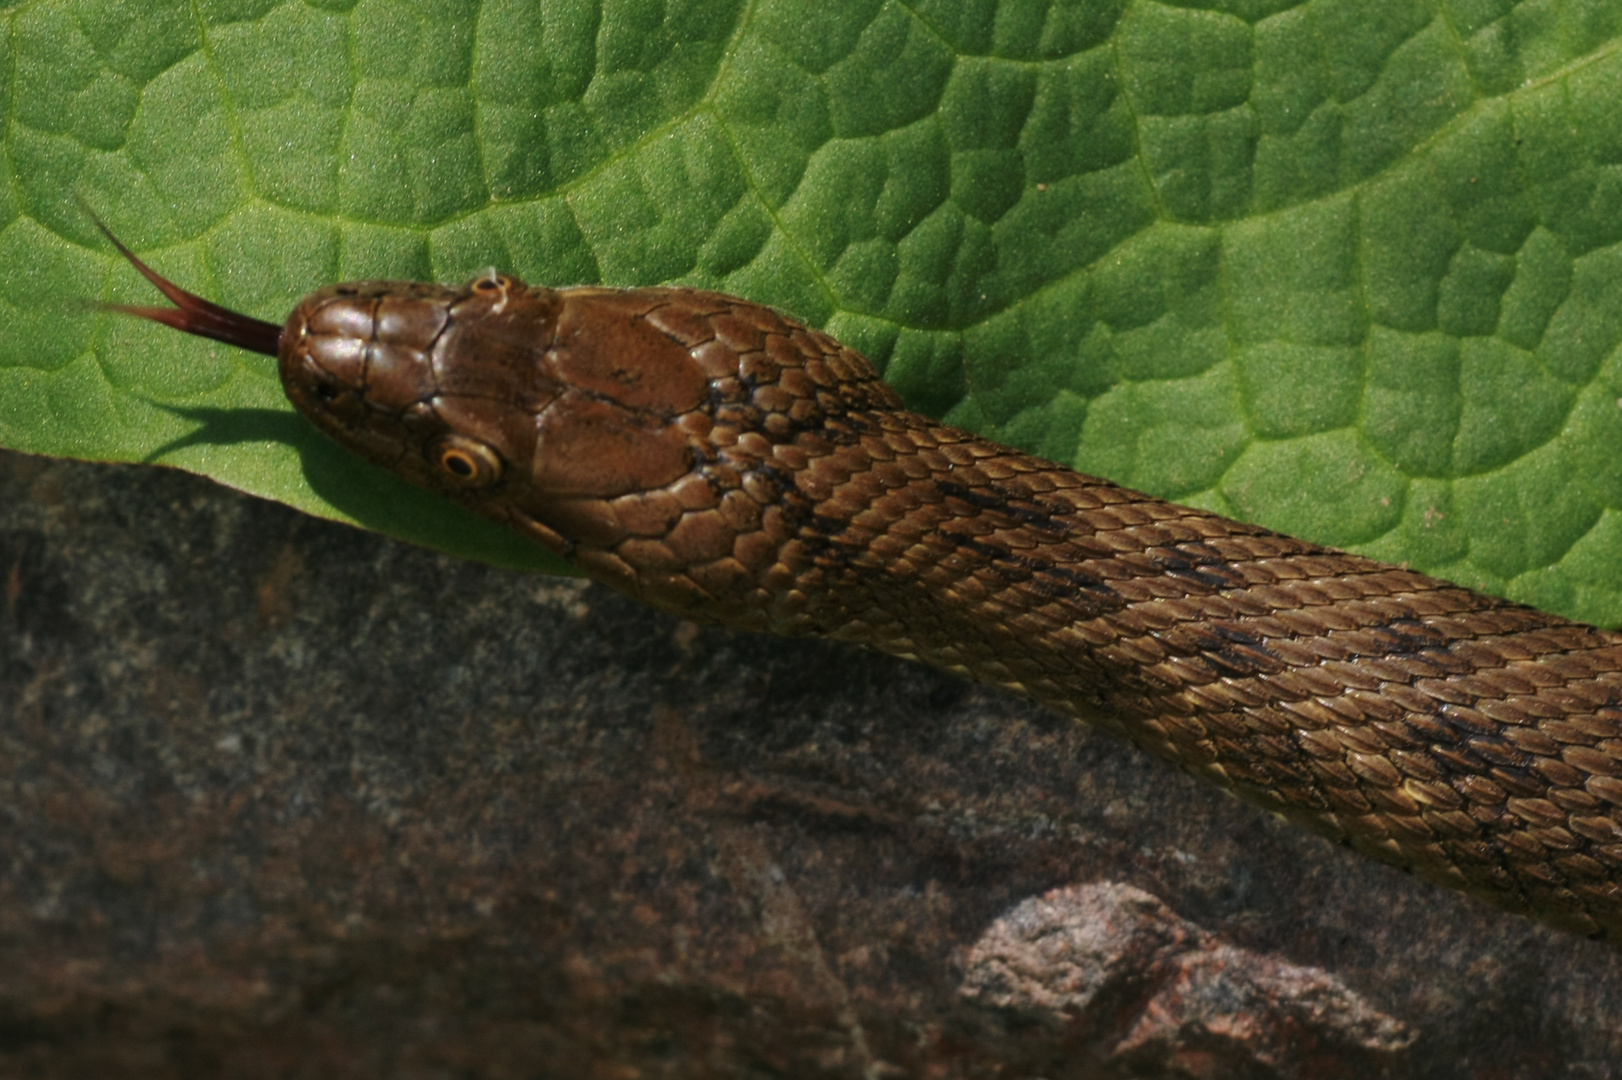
(384, 368)
(657, 437)
(538, 407)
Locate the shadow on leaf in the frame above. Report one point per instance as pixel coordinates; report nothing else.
(374, 498)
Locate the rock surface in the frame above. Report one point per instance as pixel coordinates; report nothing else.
(280, 798)
(1152, 994)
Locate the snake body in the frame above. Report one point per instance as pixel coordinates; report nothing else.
(719, 460)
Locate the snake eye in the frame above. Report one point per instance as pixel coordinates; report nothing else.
(492, 282)
(467, 463)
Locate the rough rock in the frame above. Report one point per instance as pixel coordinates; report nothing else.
(279, 798)
(1154, 995)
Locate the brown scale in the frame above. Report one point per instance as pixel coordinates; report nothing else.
(723, 462)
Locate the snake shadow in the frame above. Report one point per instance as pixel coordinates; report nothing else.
(373, 497)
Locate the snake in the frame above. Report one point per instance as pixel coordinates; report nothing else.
(727, 463)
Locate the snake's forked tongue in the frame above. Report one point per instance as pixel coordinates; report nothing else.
(191, 312)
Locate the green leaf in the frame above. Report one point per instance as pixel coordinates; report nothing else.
(1350, 268)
